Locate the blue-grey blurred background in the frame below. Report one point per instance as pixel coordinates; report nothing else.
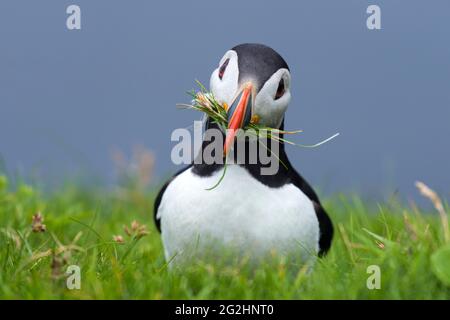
(68, 98)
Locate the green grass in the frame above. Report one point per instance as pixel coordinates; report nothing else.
(407, 245)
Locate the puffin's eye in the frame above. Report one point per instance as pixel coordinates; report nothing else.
(223, 67)
(280, 90)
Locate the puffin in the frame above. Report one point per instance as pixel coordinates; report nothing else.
(249, 213)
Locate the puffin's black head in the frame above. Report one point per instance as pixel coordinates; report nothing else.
(254, 81)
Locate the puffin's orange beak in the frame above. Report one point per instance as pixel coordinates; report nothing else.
(239, 115)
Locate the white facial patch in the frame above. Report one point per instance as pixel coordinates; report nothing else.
(225, 89)
(270, 110)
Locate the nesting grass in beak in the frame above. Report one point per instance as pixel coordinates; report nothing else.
(237, 116)
(204, 101)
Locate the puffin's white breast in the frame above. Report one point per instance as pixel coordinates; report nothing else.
(240, 212)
